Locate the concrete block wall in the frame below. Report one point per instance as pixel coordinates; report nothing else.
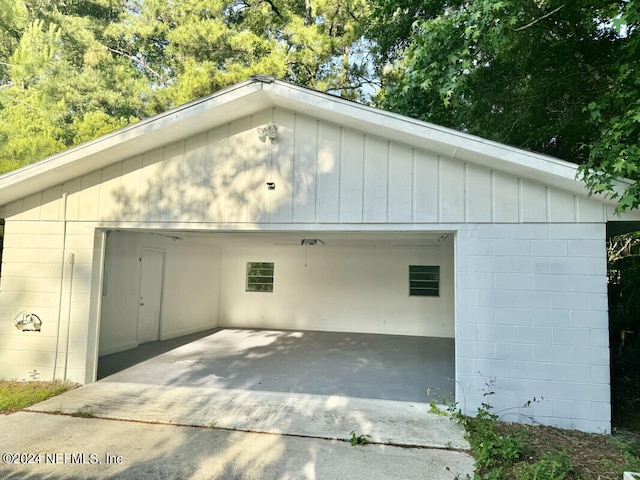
(532, 314)
(35, 280)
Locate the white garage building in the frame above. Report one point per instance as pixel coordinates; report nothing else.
(267, 205)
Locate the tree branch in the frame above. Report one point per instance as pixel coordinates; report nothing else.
(519, 29)
(274, 8)
(26, 104)
(138, 61)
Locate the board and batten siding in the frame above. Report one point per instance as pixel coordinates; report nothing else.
(324, 173)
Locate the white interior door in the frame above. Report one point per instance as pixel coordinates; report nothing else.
(151, 273)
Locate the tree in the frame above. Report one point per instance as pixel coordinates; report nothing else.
(615, 152)
(70, 71)
(191, 48)
(56, 70)
(549, 76)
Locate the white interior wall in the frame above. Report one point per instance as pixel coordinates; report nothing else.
(190, 291)
(352, 289)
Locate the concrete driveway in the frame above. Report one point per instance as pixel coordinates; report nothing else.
(159, 425)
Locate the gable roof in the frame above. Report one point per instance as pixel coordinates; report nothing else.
(262, 92)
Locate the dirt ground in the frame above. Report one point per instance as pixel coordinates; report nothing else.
(594, 457)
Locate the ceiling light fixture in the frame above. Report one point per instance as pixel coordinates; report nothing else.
(309, 241)
(312, 241)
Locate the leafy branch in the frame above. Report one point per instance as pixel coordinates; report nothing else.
(539, 19)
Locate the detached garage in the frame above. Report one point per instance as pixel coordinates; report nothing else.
(270, 206)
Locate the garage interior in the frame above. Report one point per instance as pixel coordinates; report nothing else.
(337, 317)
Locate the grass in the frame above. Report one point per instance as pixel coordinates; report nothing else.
(360, 440)
(15, 396)
(84, 413)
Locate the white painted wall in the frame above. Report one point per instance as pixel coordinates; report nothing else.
(36, 279)
(532, 313)
(190, 296)
(346, 289)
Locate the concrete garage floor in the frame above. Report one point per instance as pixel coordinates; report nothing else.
(110, 364)
(304, 390)
(386, 367)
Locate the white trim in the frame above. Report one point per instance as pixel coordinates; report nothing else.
(162, 251)
(95, 310)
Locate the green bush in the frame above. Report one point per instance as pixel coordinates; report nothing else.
(555, 466)
(491, 449)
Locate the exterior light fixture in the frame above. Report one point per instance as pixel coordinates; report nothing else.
(270, 132)
(271, 185)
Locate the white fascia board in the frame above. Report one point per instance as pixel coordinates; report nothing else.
(154, 132)
(440, 140)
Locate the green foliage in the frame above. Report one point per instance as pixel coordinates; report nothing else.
(556, 77)
(360, 440)
(57, 69)
(485, 410)
(487, 68)
(15, 396)
(35, 55)
(31, 134)
(519, 452)
(71, 71)
(95, 124)
(190, 49)
(84, 413)
(433, 408)
(452, 411)
(491, 449)
(556, 466)
(630, 451)
(616, 113)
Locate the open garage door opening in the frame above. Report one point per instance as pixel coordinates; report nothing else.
(336, 313)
